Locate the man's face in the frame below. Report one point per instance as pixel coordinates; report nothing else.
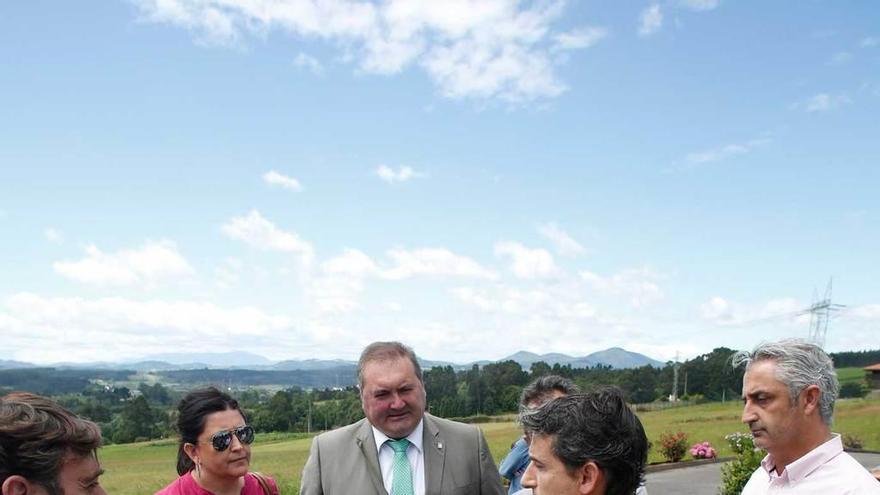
(546, 474)
(78, 476)
(770, 414)
(393, 397)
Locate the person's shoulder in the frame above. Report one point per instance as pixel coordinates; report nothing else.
(341, 433)
(449, 426)
(758, 482)
(853, 473)
(175, 487)
(254, 485)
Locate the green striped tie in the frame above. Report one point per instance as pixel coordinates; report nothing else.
(401, 477)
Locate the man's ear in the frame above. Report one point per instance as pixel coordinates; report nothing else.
(810, 399)
(590, 479)
(16, 485)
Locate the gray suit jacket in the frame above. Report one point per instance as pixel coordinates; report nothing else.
(457, 461)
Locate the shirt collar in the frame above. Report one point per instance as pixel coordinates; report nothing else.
(415, 437)
(807, 463)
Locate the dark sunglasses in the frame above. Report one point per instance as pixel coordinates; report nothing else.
(223, 439)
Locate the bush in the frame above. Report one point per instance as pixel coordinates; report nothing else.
(852, 442)
(703, 451)
(673, 445)
(735, 474)
(850, 390)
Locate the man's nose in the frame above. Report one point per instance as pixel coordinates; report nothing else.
(397, 402)
(748, 415)
(528, 478)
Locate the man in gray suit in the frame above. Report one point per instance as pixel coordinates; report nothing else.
(398, 449)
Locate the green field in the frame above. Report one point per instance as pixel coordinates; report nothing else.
(845, 375)
(145, 467)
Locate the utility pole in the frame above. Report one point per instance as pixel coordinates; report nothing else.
(674, 396)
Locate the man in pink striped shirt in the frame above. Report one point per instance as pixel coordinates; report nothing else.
(789, 390)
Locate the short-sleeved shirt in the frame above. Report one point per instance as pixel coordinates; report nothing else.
(824, 470)
(186, 485)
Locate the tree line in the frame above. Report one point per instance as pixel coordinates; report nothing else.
(148, 412)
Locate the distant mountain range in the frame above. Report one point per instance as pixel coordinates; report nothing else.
(615, 357)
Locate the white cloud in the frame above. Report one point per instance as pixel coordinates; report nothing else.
(276, 179)
(841, 58)
(722, 312)
(823, 102)
(724, 152)
(527, 263)
(498, 49)
(260, 233)
(870, 42)
(650, 20)
(528, 303)
(306, 61)
(71, 328)
(700, 5)
(638, 285)
(352, 263)
(867, 312)
(391, 176)
(53, 235)
(436, 262)
(148, 265)
(564, 243)
(343, 277)
(579, 38)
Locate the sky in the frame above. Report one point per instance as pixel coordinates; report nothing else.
(298, 178)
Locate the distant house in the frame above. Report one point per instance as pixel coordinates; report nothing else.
(873, 376)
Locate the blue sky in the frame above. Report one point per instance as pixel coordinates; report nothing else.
(299, 178)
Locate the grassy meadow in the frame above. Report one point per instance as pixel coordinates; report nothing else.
(143, 468)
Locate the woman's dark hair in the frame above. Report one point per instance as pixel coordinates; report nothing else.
(193, 409)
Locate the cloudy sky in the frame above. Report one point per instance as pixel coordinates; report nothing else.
(296, 178)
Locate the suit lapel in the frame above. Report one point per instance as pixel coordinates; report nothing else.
(435, 455)
(367, 445)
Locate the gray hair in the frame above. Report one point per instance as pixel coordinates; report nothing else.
(799, 364)
(385, 351)
(597, 427)
(541, 389)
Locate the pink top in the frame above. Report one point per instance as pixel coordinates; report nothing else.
(186, 485)
(823, 470)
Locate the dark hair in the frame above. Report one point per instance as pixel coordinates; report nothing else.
(36, 434)
(193, 409)
(597, 427)
(383, 351)
(541, 389)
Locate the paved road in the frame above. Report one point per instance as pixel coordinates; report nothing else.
(705, 479)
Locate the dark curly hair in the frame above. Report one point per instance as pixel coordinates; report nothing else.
(37, 434)
(597, 427)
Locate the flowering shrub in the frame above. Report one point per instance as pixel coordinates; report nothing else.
(740, 442)
(703, 451)
(735, 474)
(673, 445)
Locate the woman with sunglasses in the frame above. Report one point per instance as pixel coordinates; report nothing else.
(215, 449)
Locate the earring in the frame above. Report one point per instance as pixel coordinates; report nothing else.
(199, 469)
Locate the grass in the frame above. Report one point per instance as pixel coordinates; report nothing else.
(144, 468)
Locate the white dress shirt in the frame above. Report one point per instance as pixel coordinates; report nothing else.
(824, 470)
(414, 453)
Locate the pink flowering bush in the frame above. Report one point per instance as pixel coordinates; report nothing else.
(703, 451)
